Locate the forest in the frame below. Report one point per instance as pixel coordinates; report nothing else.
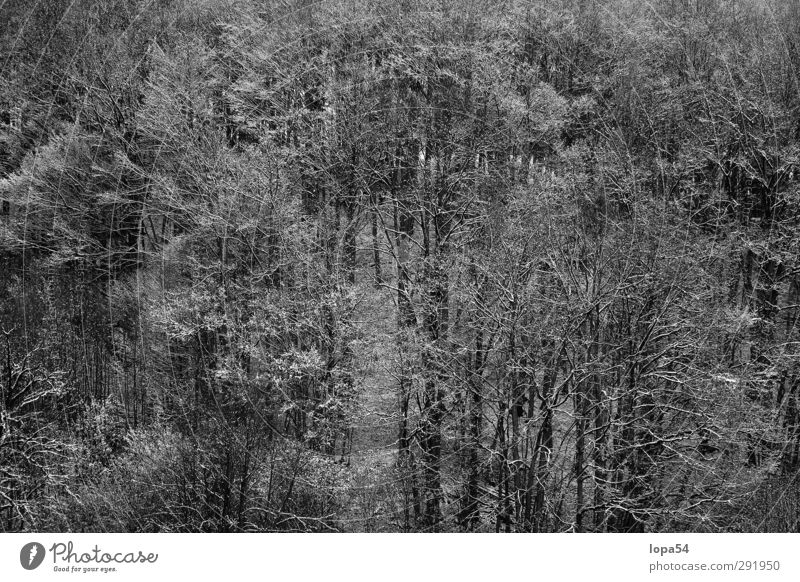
(410, 266)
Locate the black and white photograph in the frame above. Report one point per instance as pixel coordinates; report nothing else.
(420, 266)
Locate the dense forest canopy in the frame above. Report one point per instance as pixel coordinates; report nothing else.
(352, 265)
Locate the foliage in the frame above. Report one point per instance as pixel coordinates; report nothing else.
(344, 266)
